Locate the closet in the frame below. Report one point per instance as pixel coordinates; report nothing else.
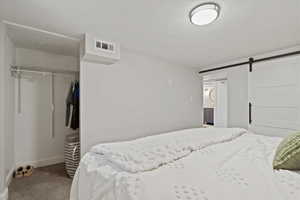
(44, 68)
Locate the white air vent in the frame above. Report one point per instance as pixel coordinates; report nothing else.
(96, 50)
(104, 46)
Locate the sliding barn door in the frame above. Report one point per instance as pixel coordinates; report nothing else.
(274, 96)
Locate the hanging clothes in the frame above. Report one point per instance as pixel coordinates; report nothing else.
(75, 114)
(72, 103)
(69, 101)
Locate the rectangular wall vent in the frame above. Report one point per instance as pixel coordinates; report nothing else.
(97, 50)
(104, 46)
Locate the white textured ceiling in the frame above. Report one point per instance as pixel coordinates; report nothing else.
(162, 28)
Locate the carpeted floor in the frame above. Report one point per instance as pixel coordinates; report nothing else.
(46, 183)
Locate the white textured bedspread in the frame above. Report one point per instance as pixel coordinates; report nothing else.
(193, 164)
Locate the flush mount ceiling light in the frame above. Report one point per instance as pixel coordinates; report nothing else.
(204, 14)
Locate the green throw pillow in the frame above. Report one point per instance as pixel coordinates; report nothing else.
(288, 153)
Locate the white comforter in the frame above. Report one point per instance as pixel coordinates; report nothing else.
(194, 164)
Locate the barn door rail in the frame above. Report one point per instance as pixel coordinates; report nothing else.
(251, 61)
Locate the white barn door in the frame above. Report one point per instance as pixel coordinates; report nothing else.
(274, 93)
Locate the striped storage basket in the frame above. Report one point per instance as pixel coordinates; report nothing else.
(72, 153)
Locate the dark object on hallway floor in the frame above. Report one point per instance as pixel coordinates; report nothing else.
(23, 171)
(46, 183)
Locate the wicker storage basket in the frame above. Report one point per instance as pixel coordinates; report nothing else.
(72, 153)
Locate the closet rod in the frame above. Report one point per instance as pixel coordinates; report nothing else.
(40, 70)
(252, 61)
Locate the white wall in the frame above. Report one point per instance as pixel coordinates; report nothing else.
(3, 188)
(30, 57)
(9, 109)
(7, 57)
(135, 97)
(33, 137)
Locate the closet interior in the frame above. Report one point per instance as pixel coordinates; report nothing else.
(44, 95)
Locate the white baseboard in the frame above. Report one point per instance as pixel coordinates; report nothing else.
(9, 176)
(4, 194)
(43, 162)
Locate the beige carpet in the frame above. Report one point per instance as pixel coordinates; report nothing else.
(46, 183)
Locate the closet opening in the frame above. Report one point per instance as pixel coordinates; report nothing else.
(44, 111)
(215, 100)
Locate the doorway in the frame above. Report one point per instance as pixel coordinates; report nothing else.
(215, 101)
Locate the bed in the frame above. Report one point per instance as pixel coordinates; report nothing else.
(192, 164)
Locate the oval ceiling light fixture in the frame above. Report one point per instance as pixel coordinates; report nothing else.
(204, 14)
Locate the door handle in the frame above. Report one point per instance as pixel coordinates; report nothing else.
(250, 112)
